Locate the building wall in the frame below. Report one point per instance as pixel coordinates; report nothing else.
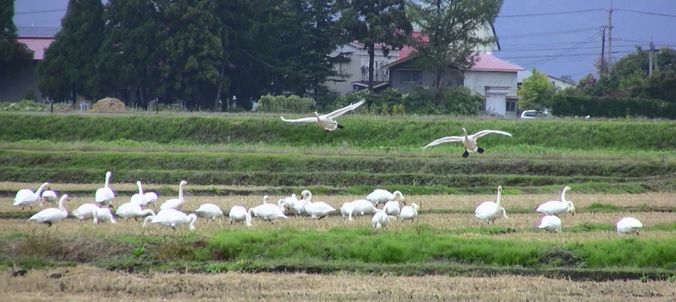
(498, 88)
(427, 78)
(353, 69)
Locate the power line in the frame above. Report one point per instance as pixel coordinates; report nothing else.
(40, 11)
(550, 33)
(645, 12)
(569, 50)
(562, 56)
(557, 48)
(580, 11)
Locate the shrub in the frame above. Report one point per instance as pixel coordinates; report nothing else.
(22, 106)
(568, 105)
(281, 103)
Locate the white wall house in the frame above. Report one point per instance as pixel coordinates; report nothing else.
(559, 83)
(496, 81)
(355, 72)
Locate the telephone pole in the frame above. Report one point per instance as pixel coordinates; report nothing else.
(602, 64)
(610, 34)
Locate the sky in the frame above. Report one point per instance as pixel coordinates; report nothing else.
(558, 37)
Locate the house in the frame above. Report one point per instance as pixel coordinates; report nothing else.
(558, 82)
(25, 82)
(353, 72)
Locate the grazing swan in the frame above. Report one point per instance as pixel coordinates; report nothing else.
(379, 196)
(392, 208)
(489, 210)
(317, 210)
(175, 204)
(628, 225)
(150, 197)
(267, 211)
(380, 219)
(409, 212)
(26, 197)
(239, 213)
(139, 197)
(172, 218)
(49, 196)
(557, 207)
(132, 210)
(103, 215)
(358, 207)
(85, 211)
(292, 203)
(209, 210)
(52, 215)
(327, 121)
(105, 195)
(550, 223)
(469, 141)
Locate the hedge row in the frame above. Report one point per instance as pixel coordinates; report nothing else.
(612, 107)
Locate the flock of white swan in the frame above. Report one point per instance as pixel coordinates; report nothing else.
(170, 213)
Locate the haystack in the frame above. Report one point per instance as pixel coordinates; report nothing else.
(108, 105)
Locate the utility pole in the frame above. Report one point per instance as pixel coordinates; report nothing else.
(650, 59)
(610, 34)
(602, 64)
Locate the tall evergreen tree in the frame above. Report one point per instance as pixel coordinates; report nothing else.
(69, 68)
(451, 32)
(374, 21)
(13, 55)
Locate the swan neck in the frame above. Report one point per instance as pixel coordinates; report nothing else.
(180, 191)
(140, 188)
(107, 180)
(148, 211)
(192, 218)
(62, 205)
(39, 191)
(498, 198)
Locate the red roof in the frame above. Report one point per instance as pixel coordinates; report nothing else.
(37, 45)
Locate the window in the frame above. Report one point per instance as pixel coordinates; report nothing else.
(410, 76)
(511, 105)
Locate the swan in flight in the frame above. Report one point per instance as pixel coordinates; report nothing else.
(468, 141)
(26, 197)
(105, 195)
(628, 225)
(52, 215)
(550, 223)
(557, 207)
(172, 218)
(379, 196)
(176, 203)
(327, 121)
(489, 210)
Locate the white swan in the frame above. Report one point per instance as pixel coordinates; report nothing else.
(292, 203)
(379, 196)
(327, 121)
(380, 219)
(469, 141)
(105, 195)
(49, 196)
(132, 210)
(358, 207)
(317, 210)
(103, 215)
(557, 207)
(238, 214)
(550, 223)
(150, 197)
(176, 203)
(26, 197)
(489, 210)
(392, 208)
(409, 212)
(209, 210)
(52, 215)
(172, 218)
(85, 211)
(628, 225)
(139, 198)
(267, 211)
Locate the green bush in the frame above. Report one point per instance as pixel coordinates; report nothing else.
(458, 101)
(22, 106)
(281, 103)
(569, 105)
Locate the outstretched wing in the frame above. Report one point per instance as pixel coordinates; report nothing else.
(487, 132)
(447, 139)
(345, 109)
(300, 120)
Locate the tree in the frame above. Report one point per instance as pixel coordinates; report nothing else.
(374, 21)
(536, 92)
(129, 58)
(450, 33)
(13, 55)
(69, 68)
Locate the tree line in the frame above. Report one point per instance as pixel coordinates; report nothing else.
(202, 52)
